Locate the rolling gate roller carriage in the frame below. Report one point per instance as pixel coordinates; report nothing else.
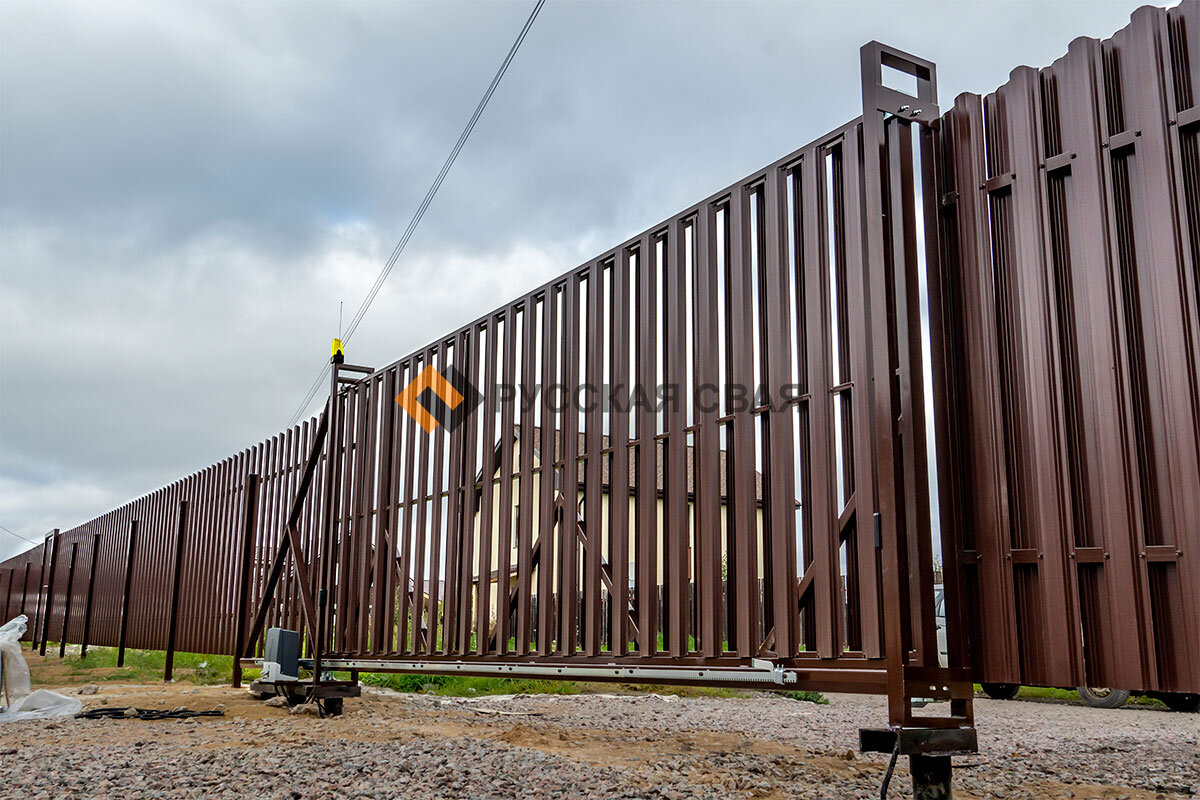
(781, 536)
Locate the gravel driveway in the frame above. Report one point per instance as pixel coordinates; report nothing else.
(586, 746)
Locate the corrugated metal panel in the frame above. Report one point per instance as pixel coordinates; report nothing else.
(1077, 244)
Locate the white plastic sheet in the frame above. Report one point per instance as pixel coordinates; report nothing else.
(23, 703)
(40, 705)
(12, 662)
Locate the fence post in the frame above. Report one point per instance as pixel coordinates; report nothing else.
(133, 526)
(24, 589)
(248, 521)
(36, 628)
(62, 640)
(180, 533)
(8, 594)
(87, 614)
(49, 594)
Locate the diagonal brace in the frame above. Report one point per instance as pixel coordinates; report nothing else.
(290, 542)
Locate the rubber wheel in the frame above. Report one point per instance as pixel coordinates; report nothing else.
(1180, 701)
(1103, 698)
(1001, 691)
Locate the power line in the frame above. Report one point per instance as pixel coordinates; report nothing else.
(19, 536)
(429, 195)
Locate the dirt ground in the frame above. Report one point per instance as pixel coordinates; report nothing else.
(647, 746)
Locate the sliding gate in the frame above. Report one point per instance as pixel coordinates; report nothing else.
(702, 457)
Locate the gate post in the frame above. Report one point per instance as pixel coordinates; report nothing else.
(49, 593)
(180, 534)
(327, 519)
(248, 524)
(901, 533)
(62, 640)
(87, 614)
(930, 777)
(133, 526)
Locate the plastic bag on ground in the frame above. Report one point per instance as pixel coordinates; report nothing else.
(13, 668)
(41, 704)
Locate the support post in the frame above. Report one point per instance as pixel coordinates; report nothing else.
(891, 257)
(327, 519)
(87, 614)
(49, 593)
(248, 524)
(24, 588)
(8, 593)
(129, 550)
(930, 777)
(62, 640)
(36, 628)
(180, 535)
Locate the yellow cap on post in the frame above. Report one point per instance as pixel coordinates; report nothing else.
(337, 354)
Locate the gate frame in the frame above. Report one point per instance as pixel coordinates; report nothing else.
(901, 484)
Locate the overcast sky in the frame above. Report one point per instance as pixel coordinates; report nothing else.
(188, 189)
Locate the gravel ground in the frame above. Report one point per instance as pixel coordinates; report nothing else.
(586, 746)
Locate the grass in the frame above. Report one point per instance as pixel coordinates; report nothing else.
(141, 666)
(1071, 696)
(146, 666)
(465, 685)
(471, 686)
(806, 696)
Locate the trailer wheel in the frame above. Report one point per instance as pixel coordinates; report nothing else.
(1103, 698)
(1001, 691)
(1181, 701)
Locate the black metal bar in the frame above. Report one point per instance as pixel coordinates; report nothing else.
(62, 640)
(132, 545)
(250, 506)
(180, 536)
(45, 621)
(91, 592)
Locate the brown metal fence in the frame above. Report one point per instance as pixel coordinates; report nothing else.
(1073, 199)
(1047, 237)
(764, 514)
(114, 578)
(535, 534)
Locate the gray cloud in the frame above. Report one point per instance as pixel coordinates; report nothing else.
(187, 189)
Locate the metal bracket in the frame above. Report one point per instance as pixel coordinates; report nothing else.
(921, 108)
(919, 741)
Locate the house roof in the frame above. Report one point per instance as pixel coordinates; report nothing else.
(660, 476)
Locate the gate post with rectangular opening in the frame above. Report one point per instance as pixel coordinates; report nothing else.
(897, 216)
